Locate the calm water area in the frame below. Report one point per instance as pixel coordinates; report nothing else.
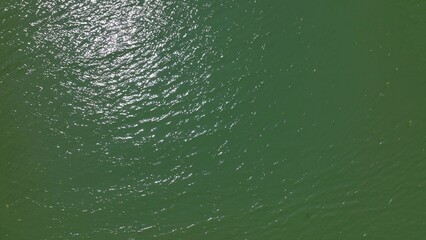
(226, 119)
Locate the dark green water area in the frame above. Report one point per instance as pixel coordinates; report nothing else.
(227, 119)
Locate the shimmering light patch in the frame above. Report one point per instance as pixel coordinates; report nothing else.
(125, 60)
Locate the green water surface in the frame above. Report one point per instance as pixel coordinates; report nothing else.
(193, 119)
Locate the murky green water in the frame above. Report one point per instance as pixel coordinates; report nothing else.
(212, 119)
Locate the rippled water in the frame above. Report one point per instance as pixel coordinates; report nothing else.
(212, 120)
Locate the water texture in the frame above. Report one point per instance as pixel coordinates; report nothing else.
(164, 119)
